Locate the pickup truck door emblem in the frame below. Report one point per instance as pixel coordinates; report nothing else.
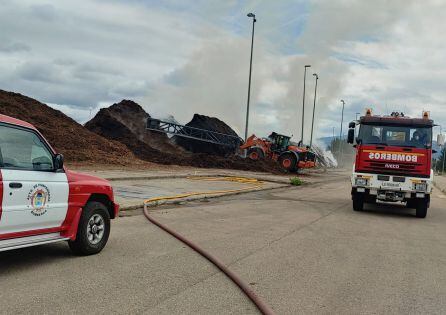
(39, 197)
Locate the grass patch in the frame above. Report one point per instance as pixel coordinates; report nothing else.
(296, 181)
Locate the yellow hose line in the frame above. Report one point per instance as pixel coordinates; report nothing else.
(244, 180)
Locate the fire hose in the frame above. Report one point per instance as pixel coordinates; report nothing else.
(258, 302)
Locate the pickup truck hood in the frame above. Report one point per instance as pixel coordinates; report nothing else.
(73, 176)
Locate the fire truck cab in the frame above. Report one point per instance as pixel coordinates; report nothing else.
(393, 160)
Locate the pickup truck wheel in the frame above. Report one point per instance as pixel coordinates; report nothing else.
(93, 230)
(358, 202)
(421, 209)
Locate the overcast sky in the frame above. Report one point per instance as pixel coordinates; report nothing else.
(183, 57)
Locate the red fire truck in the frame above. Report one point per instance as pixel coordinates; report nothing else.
(393, 160)
(42, 202)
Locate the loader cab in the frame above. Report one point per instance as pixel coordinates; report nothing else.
(279, 142)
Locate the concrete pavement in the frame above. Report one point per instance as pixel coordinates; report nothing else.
(132, 187)
(302, 249)
(130, 194)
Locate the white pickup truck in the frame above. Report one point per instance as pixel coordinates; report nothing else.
(42, 202)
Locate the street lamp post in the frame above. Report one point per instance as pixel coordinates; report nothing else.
(303, 105)
(314, 108)
(342, 118)
(340, 134)
(254, 20)
(444, 158)
(444, 152)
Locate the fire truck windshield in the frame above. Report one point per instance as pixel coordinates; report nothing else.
(400, 136)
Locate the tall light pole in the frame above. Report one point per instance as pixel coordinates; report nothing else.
(254, 20)
(314, 108)
(303, 105)
(437, 163)
(342, 119)
(340, 135)
(444, 152)
(443, 159)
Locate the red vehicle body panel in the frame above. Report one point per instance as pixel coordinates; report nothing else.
(1, 195)
(393, 160)
(81, 189)
(15, 121)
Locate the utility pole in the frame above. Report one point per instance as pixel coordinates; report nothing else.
(254, 20)
(303, 106)
(314, 109)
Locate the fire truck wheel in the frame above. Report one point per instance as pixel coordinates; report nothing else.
(421, 209)
(358, 202)
(411, 204)
(93, 230)
(255, 154)
(288, 162)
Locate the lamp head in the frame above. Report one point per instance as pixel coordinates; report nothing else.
(251, 15)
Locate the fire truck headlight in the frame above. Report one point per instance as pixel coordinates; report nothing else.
(420, 186)
(359, 181)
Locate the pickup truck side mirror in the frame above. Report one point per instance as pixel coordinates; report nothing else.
(351, 136)
(58, 162)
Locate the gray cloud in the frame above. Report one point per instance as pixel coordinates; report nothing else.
(181, 57)
(45, 12)
(12, 47)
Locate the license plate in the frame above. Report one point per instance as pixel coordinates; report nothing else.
(387, 184)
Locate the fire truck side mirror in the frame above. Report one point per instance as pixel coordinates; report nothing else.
(351, 136)
(440, 140)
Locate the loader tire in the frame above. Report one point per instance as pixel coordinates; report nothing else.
(255, 154)
(288, 162)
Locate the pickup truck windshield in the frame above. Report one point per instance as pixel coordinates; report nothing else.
(400, 136)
